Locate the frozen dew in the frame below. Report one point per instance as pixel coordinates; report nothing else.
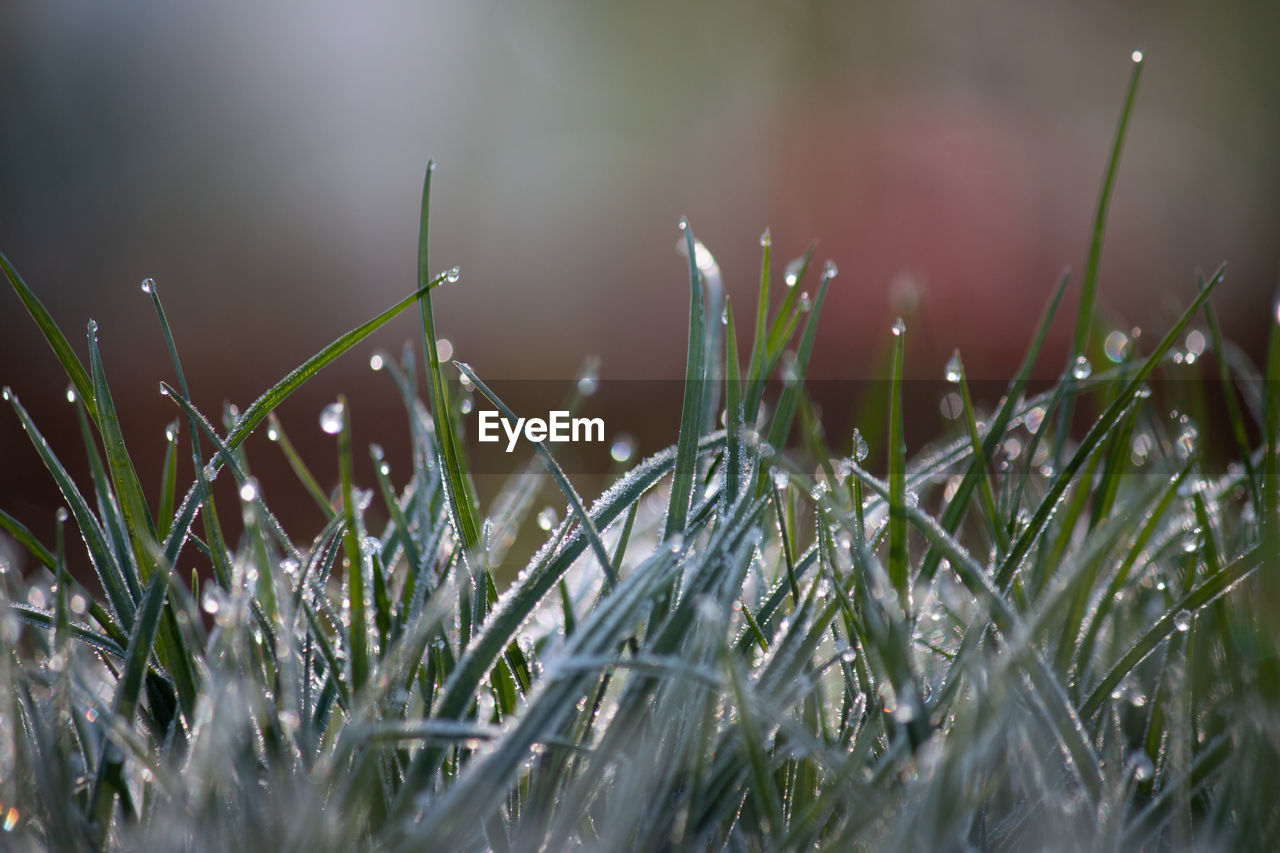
(624, 446)
(249, 490)
(1081, 368)
(898, 327)
(547, 518)
(820, 490)
(780, 478)
(953, 370)
(766, 239)
(444, 350)
(148, 285)
(1116, 346)
(951, 406)
(1182, 620)
(375, 362)
(331, 417)
(860, 448)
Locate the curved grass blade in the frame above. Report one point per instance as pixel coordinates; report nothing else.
(691, 413)
(462, 501)
(53, 335)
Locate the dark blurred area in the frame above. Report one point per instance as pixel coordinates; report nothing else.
(263, 164)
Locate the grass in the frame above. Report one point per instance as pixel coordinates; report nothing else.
(1024, 637)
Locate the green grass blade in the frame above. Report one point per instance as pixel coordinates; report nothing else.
(899, 571)
(462, 501)
(53, 335)
(124, 477)
(691, 413)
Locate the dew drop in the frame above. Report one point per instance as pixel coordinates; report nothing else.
(724, 315)
(1182, 620)
(792, 273)
(766, 239)
(1116, 346)
(860, 448)
(898, 327)
(249, 490)
(171, 432)
(547, 518)
(6, 393)
(684, 223)
(78, 604)
(444, 350)
(71, 393)
(453, 275)
(273, 434)
(467, 406)
(830, 270)
(806, 304)
(1081, 368)
(210, 604)
(1186, 441)
(375, 362)
(951, 406)
(1142, 766)
(780, 478)
(1136, 56)
(331, 418)
(61, 514)
(953, 370)
(93, 329)
(623, 447)
(1195, 343)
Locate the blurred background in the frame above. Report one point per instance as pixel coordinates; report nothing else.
(264, 163)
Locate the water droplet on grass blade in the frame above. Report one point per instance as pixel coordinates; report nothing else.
(71, 393)
(1136, 56)
(1195, 343)
(331, 418)
(766, 239)
(148, 285)
(1081, 368)
(830, 270)
(780, 478)
(249, 490)
(860, 448)
(444, 349)
(792, 273)
(1182, 620)
(453, 275)
(806, 304)
(953, 371)
(898, 327)
(375, 362)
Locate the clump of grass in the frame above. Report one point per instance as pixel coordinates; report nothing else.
(1022, 637)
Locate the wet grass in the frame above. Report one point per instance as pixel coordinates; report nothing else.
(1025, 636)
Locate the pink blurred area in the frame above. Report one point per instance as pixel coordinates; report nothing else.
(264, 166)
